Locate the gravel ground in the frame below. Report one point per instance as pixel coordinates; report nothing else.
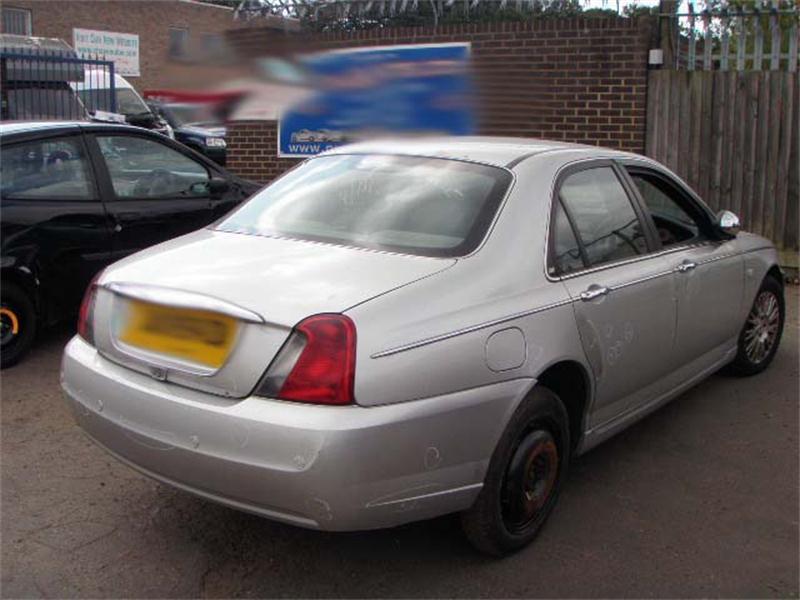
(699, 499)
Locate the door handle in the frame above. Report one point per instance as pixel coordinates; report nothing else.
(594, 291)
(686, 266)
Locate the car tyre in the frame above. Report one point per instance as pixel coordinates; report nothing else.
(762, 330)
(524, 477)
(17, 324)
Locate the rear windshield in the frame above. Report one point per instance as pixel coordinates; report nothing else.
(413, 205)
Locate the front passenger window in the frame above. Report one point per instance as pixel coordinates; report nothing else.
(673, 224)
(143, 168)
(603, 215)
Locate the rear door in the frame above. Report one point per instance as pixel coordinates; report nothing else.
(53, 222)
(709, 271)
(154, 192)
(623, 297)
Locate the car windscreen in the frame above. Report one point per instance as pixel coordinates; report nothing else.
(413, 205)
(128, 102)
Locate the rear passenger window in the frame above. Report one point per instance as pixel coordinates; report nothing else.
(603, 215)
(50, 169)
(566, 252)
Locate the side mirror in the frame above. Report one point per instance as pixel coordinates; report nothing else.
(218, 186)
(728, 223)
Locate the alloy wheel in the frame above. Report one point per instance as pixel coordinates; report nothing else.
(762, 327)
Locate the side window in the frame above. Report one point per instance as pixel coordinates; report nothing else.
(51, 169)
(673, 223)
(566, 252)
(603, 215)
(142, 168)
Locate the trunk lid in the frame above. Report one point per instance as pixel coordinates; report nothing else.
(281, 281)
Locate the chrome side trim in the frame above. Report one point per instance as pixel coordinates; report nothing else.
(650, 277)
(182, 299)
(716, 258)
(470, 329)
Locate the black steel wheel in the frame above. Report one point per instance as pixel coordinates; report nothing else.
(17, 324)
(530, 480)
(524, 477)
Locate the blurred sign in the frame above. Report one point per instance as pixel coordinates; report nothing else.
(369, 92)
(122, 48)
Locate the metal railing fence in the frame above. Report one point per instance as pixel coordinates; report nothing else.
(45, 84)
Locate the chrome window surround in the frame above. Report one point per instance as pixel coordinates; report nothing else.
(639, 162)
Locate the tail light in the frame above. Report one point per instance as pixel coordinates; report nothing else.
(86, 313)
(316, 364)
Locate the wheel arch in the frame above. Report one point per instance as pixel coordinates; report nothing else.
(775, 271)
(25, 280)
(571, 382)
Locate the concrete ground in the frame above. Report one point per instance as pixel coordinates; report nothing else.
(699, 499)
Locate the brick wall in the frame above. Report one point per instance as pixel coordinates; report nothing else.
(150, 19)
(580, 79)
(252, 150)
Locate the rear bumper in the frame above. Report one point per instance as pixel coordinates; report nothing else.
(333, 468)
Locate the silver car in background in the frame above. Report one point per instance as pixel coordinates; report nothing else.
(398, 330)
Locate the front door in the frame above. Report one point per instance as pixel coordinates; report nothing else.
(709, 271)
(157, 193)
(624, 298)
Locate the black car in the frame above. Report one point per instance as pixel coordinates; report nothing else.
(204, 136)
(78, 196)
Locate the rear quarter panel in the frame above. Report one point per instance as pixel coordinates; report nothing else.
(491, 317)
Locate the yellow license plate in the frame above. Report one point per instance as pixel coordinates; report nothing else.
(197, 336)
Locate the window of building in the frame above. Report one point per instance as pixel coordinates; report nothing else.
(178, 42)
(17, 21)
(212, 44)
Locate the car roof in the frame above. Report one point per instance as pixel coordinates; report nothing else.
(12, 127)
(497, 151)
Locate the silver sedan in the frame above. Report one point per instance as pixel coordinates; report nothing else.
(395, 331)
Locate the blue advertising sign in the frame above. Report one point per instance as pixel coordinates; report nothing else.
(367, 92)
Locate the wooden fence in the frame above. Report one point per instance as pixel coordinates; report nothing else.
(733, 136)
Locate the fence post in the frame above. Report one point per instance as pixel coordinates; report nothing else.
(668, 30)
(758, 49)
(724, 48)
(4, 108)
(708, 42)
(775, 49)
(112, 87)
(690, 64)
(741, 45)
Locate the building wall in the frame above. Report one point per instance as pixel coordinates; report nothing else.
(580, 79)
(150, 19)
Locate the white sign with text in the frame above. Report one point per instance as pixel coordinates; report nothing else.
(122, 48)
